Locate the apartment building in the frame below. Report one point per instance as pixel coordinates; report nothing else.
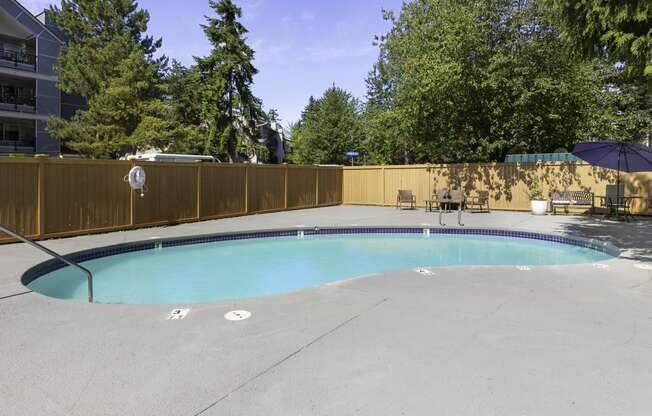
(29, 47)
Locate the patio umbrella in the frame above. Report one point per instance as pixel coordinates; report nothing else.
(621, 156)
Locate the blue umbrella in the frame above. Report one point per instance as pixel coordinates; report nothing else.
(621, 156)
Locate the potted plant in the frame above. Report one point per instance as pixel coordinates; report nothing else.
(538, 205)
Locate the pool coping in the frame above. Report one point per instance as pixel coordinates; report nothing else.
(49, 266)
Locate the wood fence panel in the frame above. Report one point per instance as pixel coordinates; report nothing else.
(171, 195)
(81, 196)
(19, 196)
(415, 179)
(508, 183)
(301, 186)
(266, 188)
(363, 186)
(329, 184)
(43, 198)
(223, 190)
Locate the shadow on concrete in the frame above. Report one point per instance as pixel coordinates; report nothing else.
(635, 237)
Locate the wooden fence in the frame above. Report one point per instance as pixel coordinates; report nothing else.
(41, 197)
(508, 183)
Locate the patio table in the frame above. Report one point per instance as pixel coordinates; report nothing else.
(618, 207)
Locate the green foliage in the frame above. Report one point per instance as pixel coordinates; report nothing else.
(109, 63)
(272, 115)
(621, 30)
(625, 110)
(327, 130)
(101, 33)
(472, 81)
(228, 105)
(183, 94)
(536, 189)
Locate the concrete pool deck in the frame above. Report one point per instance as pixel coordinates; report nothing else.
(559, 340)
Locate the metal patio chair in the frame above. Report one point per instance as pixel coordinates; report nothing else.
(405, 196)
(478, 202)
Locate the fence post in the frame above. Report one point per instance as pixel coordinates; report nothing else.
(382, 171)
(199, 186)
(285, 204)
(317, 186)
(246, 190)
(132, 202)
(40, 204)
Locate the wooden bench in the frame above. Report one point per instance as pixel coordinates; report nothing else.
(572, 199)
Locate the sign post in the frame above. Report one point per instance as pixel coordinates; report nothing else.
(352, 155)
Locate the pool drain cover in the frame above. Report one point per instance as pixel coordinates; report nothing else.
(424, 271)
(237, 315)
(643, 266)
(177, 314)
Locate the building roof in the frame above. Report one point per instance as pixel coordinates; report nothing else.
(20, 10)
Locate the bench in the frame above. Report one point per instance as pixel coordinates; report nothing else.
(572, 199)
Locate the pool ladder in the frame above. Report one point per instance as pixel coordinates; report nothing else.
(89, 275)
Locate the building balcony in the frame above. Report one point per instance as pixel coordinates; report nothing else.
(24, 145)
(16, 59)
(18, 102)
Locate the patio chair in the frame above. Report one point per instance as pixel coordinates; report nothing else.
(478, 202)
(446, 199)
(405, 196)
(616, 202)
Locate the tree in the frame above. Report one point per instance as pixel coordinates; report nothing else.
(621, 30)
(228, 105)
(470, 81)
(183, 94)
(110, 63)
(625, 110)
(327, 129)
(272, 115)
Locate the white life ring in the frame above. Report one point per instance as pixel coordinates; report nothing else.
(136, 179)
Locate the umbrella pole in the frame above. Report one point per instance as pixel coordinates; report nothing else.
(620, 152)
(618, 199)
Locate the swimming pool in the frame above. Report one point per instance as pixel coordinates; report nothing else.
(241, 265)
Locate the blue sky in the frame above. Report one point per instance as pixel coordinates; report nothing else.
(302, 46)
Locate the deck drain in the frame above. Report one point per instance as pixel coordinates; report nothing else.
(424, 272)
(177, 314)
(237, 315)
(600, 266)
(643, 266)
(523, 268)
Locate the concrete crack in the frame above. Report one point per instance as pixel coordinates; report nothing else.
(289, 356)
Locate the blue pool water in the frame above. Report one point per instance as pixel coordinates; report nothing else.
(266, 266)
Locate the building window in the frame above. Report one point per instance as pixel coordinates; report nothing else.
(17, 132)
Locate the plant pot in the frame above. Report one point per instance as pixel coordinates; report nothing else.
(539, 207)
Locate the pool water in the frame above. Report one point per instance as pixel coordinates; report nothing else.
(265, 266)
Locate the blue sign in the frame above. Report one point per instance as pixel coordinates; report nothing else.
(352, 154)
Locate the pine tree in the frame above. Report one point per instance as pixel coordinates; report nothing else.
(229, 107)
(110, 63)
(327, 130)
(620, 29)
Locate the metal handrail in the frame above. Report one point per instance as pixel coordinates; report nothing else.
(88, 273)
